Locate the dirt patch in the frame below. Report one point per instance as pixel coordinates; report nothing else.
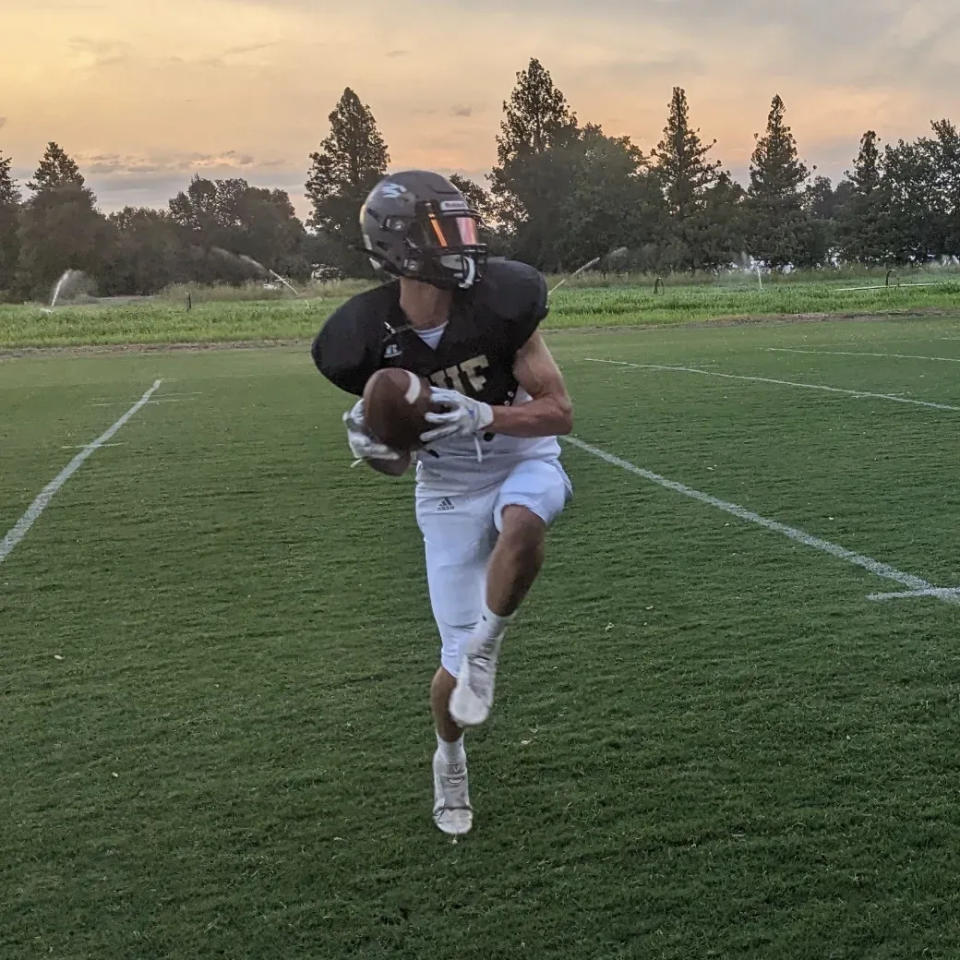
(80, 350)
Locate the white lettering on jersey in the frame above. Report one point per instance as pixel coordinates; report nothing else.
(474, 371)
(470, 373)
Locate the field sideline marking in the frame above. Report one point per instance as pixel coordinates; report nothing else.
(19, 530)
(918, 586)
(859, 353)
(784, 383)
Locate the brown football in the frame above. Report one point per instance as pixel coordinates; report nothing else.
(394, 404)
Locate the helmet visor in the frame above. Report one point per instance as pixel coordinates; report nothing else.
(449, 232)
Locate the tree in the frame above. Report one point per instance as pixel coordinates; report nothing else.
(60, 227)
(9, 223)
(776, 230)
(946, 149)
(818, 232)
(55, 170)
(718, 227)
(346, 168)
(864, 222)
(911, 184)
(536, 118)
(147, 254)
(685, 176)
(535, 161)
(196, 212)
(610, 201)
(228, 219)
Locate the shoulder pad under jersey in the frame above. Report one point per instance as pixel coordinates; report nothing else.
(513, 290)
(517, 294)
(347, 350)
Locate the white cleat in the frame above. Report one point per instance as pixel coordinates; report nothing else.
(452, 812)
(472, 697)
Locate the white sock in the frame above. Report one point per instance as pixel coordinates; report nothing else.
(488, 632)
(451, 752)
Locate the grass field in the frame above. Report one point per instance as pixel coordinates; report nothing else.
(166, 320)
(708, 741)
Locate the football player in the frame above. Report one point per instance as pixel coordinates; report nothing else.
(489, 479)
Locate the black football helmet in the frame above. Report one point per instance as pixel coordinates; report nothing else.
(417, 224)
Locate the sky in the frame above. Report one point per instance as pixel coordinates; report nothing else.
(144, 95)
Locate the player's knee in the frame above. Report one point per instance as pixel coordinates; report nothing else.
(523, 534)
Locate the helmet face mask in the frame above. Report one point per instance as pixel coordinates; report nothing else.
(418, 225)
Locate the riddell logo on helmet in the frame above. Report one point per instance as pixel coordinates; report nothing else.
(454, 205)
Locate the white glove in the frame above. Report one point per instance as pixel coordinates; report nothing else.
(363, 445)
(463, 417)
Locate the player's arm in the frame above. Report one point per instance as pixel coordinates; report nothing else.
(550, 412)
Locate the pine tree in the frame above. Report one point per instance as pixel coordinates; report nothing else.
(681, 161)
(9, 194)
(865, 220)
(60, 228)
(777, 229)
(536, 152)
(685, 177)
(947, 150)
(9, 222)
(866, 173)
(536, 117)
(348, 165)
(56, 169)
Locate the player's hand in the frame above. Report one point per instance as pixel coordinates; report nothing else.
(461, 416)
(363, 444)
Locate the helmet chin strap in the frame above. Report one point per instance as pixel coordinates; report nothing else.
(467, 281)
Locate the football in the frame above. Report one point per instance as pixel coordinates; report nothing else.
(394, 404)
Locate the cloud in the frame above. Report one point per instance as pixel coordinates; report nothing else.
(675, 67)
(99, 53)
(249, 48)
(393, 54)
(213, 62)
(461, 111)
(152, 185)
(3, 121)
(226, 162)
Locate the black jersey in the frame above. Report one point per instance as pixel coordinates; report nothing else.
(487, 326)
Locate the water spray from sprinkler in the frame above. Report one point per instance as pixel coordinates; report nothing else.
(259, 266)
(65, 278)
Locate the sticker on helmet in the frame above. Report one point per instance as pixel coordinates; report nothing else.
(392, 190)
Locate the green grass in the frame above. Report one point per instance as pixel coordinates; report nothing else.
(707, 741)
(166, 320)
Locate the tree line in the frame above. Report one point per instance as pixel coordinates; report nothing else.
(562, 192)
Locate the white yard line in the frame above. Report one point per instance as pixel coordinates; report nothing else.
(113, 403)
(81, 446)
(917, 585)
(858, 353)
(950, 594)
(784, 383)
(20, 528)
